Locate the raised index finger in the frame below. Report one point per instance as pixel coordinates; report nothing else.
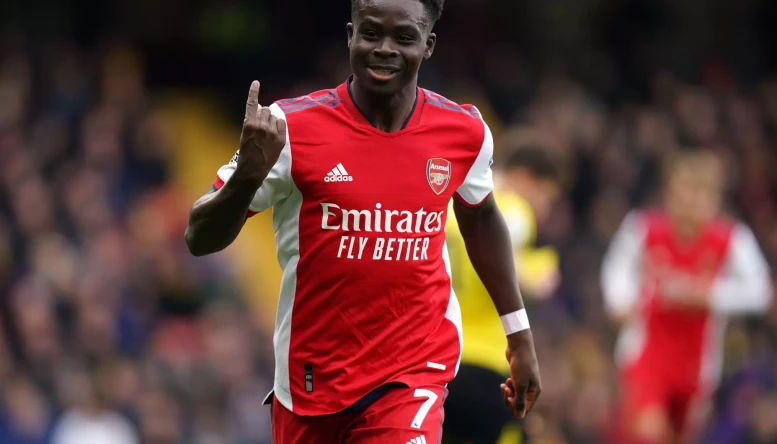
(253, 101)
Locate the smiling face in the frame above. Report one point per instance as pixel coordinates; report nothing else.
(388, 40)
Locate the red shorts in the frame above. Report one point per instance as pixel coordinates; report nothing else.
(402, 415)
(683, 401)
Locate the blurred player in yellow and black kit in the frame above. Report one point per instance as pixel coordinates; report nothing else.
(527, 186)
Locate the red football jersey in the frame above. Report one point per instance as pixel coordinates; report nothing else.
(366, 295)
(682, 345)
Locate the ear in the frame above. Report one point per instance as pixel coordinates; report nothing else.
(349, 31)
(431, 41)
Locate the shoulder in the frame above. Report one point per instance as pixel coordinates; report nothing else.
(637, 222)
(325, 99)
(650, 217)
(725, 222)
(444, 112)
(727, 227)
(449, 107)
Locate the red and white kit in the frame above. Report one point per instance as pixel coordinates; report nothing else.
(366, 294)
(670, 357)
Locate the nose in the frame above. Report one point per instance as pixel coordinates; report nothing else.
(385, 49)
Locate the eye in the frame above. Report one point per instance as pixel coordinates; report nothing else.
(406, 39)
(369, 35)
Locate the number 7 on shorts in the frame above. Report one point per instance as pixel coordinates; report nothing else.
(431, 398)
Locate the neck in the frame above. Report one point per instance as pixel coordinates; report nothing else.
(386, 112)
(685, 229)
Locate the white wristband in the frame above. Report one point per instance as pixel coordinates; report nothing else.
(515, 321)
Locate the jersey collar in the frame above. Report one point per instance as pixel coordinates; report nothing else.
(344, 92)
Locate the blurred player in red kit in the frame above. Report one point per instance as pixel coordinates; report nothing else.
(670, 279)
(359, 178)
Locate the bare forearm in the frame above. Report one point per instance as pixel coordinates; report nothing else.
(490, 250)
(217, 218)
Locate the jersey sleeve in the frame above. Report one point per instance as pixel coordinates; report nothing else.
(277, 184)
(620, 273)
(479, 183)
(744, 286)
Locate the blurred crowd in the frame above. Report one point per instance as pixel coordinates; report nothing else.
(110, 332)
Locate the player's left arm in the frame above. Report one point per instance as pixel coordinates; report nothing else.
(489, 247)
(745, 284)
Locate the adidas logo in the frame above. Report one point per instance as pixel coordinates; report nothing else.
(419, 440)
(338, 174)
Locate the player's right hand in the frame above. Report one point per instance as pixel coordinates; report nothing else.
(261, 141)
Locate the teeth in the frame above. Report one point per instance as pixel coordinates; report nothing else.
(384, 71)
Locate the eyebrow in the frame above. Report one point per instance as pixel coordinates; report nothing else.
(408, 28)
(404, 27)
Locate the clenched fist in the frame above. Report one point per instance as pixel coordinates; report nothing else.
(261, 141)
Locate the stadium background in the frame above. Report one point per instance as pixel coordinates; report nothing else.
(114, 117)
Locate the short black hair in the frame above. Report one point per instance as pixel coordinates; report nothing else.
(433, 8)
(543, 163)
